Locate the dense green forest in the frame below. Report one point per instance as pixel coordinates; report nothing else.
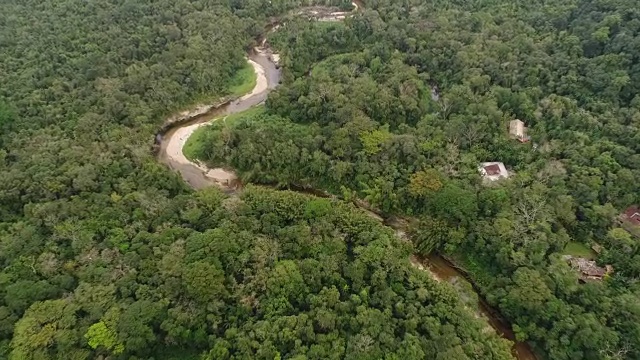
(104, 253)
(399, 105)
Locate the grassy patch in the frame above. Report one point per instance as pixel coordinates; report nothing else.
(193, 148)
(580, 250)
(243, 81)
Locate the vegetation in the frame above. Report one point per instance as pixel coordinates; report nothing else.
(302, 277)
(248, 115)
(104, 253)
(399, 106)
(197, 144)
(243, 81)
(193, 147)
(579, 250)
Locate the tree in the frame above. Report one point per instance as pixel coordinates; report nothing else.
(455, 204)
(424, 182)
(286, 288)
(47, 330)
(432, 235)
(372, 141)
(99, 335)
(528, 291)
(204, 282)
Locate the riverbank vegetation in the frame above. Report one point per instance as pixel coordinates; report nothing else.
(243, 81)
(265, 275)
(104, 253)
(402, 107)
(198, 146)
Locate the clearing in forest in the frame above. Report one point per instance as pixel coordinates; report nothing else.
(579, 250)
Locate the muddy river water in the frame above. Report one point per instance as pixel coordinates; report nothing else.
(176, 131)
(446, 271)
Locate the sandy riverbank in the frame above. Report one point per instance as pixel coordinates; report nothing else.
(261, 80)
(176, 143)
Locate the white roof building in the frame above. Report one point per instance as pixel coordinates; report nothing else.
(493, 171)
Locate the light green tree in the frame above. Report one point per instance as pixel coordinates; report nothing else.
(100, 335)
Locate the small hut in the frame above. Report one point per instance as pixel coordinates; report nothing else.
(518, 130)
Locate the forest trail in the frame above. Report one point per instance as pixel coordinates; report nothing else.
(198, 175)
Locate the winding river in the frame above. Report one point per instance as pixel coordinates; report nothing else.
(171, 142)
(177, 129)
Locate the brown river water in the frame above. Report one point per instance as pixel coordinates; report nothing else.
(193, 174)
(446, 271)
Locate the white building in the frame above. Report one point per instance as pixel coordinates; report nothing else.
(493, 171)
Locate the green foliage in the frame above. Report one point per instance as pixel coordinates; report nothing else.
(7, 119)
(431, 235)
(198, 145)
(372, 141)
(93, 231)
(317, 208)
(243, 81)
(455, 204)
(204, 282)
(433, 86)
(48, 330)
(424, 182)
(193, 148)
(99, 335)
